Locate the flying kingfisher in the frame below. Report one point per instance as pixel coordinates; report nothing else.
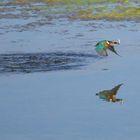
(102, 46)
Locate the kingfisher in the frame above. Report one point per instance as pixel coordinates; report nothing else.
(110, 95)
(102, 46)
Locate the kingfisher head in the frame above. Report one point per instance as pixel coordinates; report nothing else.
(111, 44)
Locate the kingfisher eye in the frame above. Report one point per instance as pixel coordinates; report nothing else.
(115, 42)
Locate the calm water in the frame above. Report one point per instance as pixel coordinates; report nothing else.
(50, 74)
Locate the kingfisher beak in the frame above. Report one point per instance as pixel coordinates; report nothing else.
(111, 48)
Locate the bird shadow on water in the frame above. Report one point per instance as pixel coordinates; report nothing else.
(41, 62)
(110, 95)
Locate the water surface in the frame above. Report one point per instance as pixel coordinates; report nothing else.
(50, 74)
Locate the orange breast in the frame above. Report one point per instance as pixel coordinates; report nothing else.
(107, 45)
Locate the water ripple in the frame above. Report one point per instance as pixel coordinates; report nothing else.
(41, 62)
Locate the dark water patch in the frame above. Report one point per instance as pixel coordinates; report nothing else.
(35, 24)
(41, 62)
(21, 26)
(105, 69)
(25, 22)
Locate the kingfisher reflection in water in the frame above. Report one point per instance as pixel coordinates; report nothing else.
(110, 95)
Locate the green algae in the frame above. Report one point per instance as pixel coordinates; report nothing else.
(85, 9)
(76, 2)
(116, 14)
